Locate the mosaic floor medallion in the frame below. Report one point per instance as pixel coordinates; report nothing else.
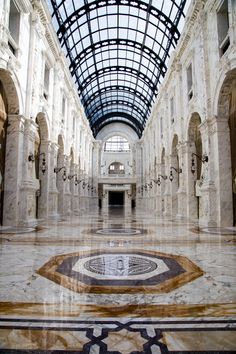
(227, 231)
(120, 271)
(16, 230)
(119, 231)
(219, 230)
(116, 230)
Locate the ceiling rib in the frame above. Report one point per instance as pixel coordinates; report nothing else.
(118, 52)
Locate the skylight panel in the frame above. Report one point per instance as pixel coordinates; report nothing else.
(95, 45)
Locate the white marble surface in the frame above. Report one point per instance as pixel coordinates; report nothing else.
(22, 255)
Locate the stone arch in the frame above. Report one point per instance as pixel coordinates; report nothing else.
(226, 115)
(12, 92)
(195, 147)
(9, 106)
(61, 145)
(222, 93)
(118, 129)
(195, 140)
(116, 168)
(43, 125)
(41, 160)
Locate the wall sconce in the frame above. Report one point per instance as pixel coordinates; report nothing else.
(203, 158)
(129, 164)
(158, 180)
(102, 195)
(78, 182)
(72, 176)
(171, 177)
(32, 158)
(130, 195)
(58, 169)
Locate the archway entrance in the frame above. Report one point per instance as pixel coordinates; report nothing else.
(232, 128)
(116, 199)
(3, 132)
(227, 164)
(195, 140)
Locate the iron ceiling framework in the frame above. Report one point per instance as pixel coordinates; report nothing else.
(118, 52)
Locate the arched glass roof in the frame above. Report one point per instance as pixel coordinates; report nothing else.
(118, 52)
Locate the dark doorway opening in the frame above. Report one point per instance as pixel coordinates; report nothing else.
(100, 203)
(116, 198)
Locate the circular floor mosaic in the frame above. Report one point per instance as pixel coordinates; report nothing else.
(16, 230)
(217, 230)
(117, 231)
(120, 271)
(220, 230)
(120, 266)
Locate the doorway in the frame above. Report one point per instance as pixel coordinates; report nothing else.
(116, 199)
(3, 133)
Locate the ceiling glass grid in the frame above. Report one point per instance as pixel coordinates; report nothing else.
(118, 52)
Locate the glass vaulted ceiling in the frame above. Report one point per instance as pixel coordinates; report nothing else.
(118, 52)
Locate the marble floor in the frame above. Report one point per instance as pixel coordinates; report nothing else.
(116, 282)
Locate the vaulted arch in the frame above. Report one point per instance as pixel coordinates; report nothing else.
(118, 52)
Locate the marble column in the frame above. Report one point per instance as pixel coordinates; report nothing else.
(53, 192)
(105, 201)
(13, 169)
(159, 196)
(167, 192)
(29, 184)
(174, 185)
(221, 170)
(43, 202)
(96, 172)
(61, 184)
(66, 187)
(182, 149)
(139, 168)
(190, 181)
(207, 190)
(74, 189)
(128, 200)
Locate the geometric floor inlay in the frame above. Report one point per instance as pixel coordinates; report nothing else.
(219, 230)
(117, 337)
(16, 230)
(120, 271)
(117, 231)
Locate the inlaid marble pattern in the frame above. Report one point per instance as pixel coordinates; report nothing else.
(122, 336)
(68, 289)
(120, 272)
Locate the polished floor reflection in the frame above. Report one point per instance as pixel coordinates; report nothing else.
(117, 283)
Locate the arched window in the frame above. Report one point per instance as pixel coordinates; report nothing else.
(117, 144)
(116, 168)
